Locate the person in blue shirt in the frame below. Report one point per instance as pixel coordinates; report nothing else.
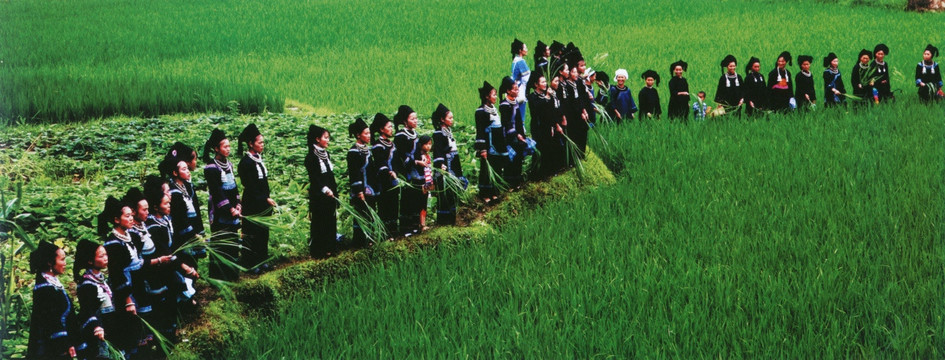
(520, 74)
(699, 107)
(621, 98)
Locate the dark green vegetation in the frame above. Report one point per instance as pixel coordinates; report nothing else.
(805, 237)
(73, 60)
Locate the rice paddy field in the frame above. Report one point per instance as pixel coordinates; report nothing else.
(813, 235)
(66, 61)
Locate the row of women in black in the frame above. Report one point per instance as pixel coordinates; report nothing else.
(378, 161)
(869, 80)
(148, 252)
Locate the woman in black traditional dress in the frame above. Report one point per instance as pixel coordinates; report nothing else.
(513, 129)
(860, 78)
(171, 277)
(446, 158)
(405, 147)
(124, 274)
(224, 205)
(382, 152)
(648, 97)
(542, 52)
(928, 77)
(186, 218)
(95, 300)
(360, 178)
(490, 142)
(804, 93)
(256, 200)
(322, 203)
(883, 89)
(780, 83)
(53, 326)
(729, 93)
(756, 93)
(833, 83)
(550, 126)
(151, 303)
(678, 108)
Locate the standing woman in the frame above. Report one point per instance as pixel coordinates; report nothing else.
(446, 157)
(520, 72)
(256, 198)
(172, 277)
(95, 300)
(804, 93)
(620, 98)
(321, 195)
(405, 147)
(756, 93)
(386, 179)
(780, 84)
(185, 206)
(151, 298)
(540, 105)
(649, 97)
(490, 142)
(513, 130)
(360, 177)
(833, 83)
(729, 93)
(678, 92)
(928, 78)
(53, 326)
(541, 57)
(581, 125)
(124, 270)
(225, 209)
(883, 89)
(860, 79)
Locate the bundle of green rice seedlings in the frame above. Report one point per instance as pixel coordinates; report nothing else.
(402, 182)
(574, 155)
(604, 115)
(497, 181)
(534, 163)
(113, 352)
(851, 96)
(273, 218)
(163, 343)
(214, 245)
(370, 223)
(453, 185)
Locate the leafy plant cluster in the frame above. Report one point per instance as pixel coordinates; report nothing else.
(66, 171)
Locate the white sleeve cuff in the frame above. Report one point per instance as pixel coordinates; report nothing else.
(325, 190)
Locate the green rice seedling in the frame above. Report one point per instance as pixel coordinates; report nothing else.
(113, 352)
(163, 343)
(371, 224)
(574, 156)
(602, 114)
(497, 181)
(453, 186)
(851, 96)
(274, 218)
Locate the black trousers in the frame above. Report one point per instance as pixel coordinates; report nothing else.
(324, 226)
(388, 208)
(228, 252)
(362, 207)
